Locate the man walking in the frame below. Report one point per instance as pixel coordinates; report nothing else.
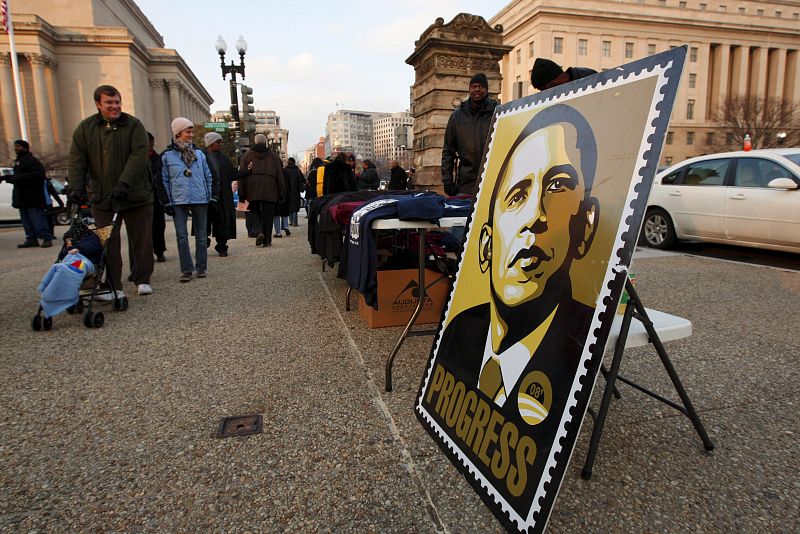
(398, 179)
(261, 183)
(29, 197)
(222, 214)
(110, 148)
(159, 224)
(465, 138)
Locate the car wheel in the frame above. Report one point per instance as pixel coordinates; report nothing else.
(658, 230)
(63, 218)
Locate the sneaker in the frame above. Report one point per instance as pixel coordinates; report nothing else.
(28, 244)
(160, 258)
(277, 235)
(223, 254)
(287, 231)
(201, 274)
(109, 296)
(259, 240)
(46, 243)
(145, 289)
(185, 277)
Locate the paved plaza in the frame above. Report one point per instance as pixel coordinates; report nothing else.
(114, 429)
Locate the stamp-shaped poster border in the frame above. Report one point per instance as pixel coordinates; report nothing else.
(563, 189)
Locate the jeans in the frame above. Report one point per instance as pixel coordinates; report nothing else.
(35, 224)
(293, 218)
(280, 223)
(199, 217)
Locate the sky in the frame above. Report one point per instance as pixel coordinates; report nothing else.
(307, 58)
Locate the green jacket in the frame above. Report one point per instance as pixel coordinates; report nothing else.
(104, 153)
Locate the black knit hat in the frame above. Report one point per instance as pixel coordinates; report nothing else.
(543, 72)
(23, 144)
(481, 79)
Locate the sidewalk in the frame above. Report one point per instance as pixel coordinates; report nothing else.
(113, 429)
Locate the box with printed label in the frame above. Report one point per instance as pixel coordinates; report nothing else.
(398, 295)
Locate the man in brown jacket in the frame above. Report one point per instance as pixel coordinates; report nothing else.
(261, 184)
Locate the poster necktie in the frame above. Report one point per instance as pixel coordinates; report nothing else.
(491, 379)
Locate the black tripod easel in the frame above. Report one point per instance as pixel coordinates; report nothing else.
(635, 309)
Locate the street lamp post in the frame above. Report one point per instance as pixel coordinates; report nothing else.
(233, 70)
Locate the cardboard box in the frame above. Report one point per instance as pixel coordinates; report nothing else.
(398, 297)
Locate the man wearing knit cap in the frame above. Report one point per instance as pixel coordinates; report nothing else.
(222, 214)
(465, 138)
(29, 196)
(546, 74)
(108, 160)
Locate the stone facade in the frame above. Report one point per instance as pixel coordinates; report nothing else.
(735, 49)
(445, 57)
(66, 49)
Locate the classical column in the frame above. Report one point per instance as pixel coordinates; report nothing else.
(758, 72)
(720, 59)
(10, 120)
(161, 119)
(792, 90)
(42, 99)
(174, 99)
(739, 70)
(776, 73)
(59, 133)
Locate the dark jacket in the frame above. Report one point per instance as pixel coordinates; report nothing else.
(265, 181)
(369, 179)
(311, 184)
(464, 143)
(576, 73)
(105, 153)
(225, 172)
(29, 182)
(295, 181)
(398, 179)
(339, 178)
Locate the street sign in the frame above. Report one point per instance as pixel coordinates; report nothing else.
(221, 126)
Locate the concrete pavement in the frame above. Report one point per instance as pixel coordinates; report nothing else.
(113, 429)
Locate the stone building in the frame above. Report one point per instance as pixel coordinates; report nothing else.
(736, 49)
(66, 49)
(351, 131)
(393, 137)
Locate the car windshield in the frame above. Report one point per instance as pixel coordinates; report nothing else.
(794, 158)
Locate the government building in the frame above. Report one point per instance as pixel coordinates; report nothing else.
(735, 49)
(66, 49)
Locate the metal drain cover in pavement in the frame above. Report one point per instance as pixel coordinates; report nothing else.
(242, 425)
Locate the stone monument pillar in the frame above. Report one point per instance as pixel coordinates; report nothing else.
(445, 57)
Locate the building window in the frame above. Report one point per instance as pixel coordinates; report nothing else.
(741, 11)
(709, 138)
(690, 109)
(689, 138)
(703, 6)
(682, 5)
(519, 56)
(796, 16)
(606, 48)
(668, 161)
(693, 54)
(723, 8)
(759, 12)
(662, 2)
(628, 50)
(729, 138)
(651, 49)
(778, 14)
(670, 136)
(583, 45)
(692, 81)
(530, 49)
(558, 45)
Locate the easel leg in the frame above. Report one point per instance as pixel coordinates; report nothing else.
(611, 379)
(673, 375)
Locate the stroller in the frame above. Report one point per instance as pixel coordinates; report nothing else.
(64, 287)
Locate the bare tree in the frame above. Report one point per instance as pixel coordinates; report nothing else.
(770, 122)
(55, 162)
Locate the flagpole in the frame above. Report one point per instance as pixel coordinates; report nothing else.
(23, 125)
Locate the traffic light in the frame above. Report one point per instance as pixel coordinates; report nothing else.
(248, 120)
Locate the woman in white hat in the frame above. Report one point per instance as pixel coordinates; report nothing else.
(187, 180)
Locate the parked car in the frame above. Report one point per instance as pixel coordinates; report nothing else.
(58, 212)
(741, 198)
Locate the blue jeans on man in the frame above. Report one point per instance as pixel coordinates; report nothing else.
(35, 224)
(199, 217)
(281, 222)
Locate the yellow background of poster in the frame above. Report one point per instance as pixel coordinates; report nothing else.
(618, 131)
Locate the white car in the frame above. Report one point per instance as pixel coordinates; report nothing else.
(58, 213)
(742, 198)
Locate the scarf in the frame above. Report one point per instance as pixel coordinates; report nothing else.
(187, 152)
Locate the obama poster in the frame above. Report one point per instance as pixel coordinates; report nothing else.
(563, 190)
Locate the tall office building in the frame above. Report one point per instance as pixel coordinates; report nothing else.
(66, 49)
(393, 137)
(351, 131)
(736, 49)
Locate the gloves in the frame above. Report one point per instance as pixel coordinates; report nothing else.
(449, 187)
(168, 210)
(120, 191)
